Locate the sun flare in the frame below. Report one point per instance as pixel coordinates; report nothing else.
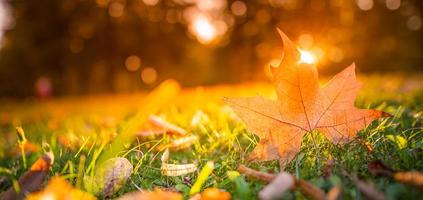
(204, 30)
(307, 57)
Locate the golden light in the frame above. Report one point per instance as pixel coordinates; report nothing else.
(203, 29)
(307, 57)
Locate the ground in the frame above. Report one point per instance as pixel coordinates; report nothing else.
(84, 126)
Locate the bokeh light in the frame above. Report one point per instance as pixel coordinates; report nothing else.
(220, 41)
(238, 8)
(414, 23)
(6, 18)
(203, 29)
(150, 2)
(43, 87)
(133, 63)
(365, 4)
(393, 4)
(149, 75)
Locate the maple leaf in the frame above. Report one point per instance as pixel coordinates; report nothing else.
(302, 106)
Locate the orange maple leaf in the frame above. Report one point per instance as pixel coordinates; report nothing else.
(302, 106)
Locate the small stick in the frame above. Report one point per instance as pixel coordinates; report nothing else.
(303, 186)
(264, 176)
(368, 190)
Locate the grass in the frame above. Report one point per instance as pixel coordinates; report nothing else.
(80, 130)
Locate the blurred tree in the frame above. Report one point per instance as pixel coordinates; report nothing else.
(72, 47)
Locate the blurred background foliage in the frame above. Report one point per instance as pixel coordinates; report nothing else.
(74, 47)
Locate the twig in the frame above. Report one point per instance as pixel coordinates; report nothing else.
(267, 177)
(367, 189)
(303, 186)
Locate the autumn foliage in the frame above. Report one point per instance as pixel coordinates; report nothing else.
(302, 107)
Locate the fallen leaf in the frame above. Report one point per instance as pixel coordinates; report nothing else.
(177, 169)
(58, 188)
(302, 107)
(31, 180)
(157, 194)
(214, 194)
(109, 176)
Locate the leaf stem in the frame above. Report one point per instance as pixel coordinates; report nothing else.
(316, 148)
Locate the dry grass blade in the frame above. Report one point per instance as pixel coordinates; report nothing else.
(31, 180)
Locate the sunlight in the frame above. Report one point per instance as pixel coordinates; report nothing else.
(203, 29)
(307, 57)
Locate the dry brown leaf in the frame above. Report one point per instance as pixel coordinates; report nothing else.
(157, 194)
(58, 188)
(31, 180)
(109, 177)
(282, 183)
(302, 106)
